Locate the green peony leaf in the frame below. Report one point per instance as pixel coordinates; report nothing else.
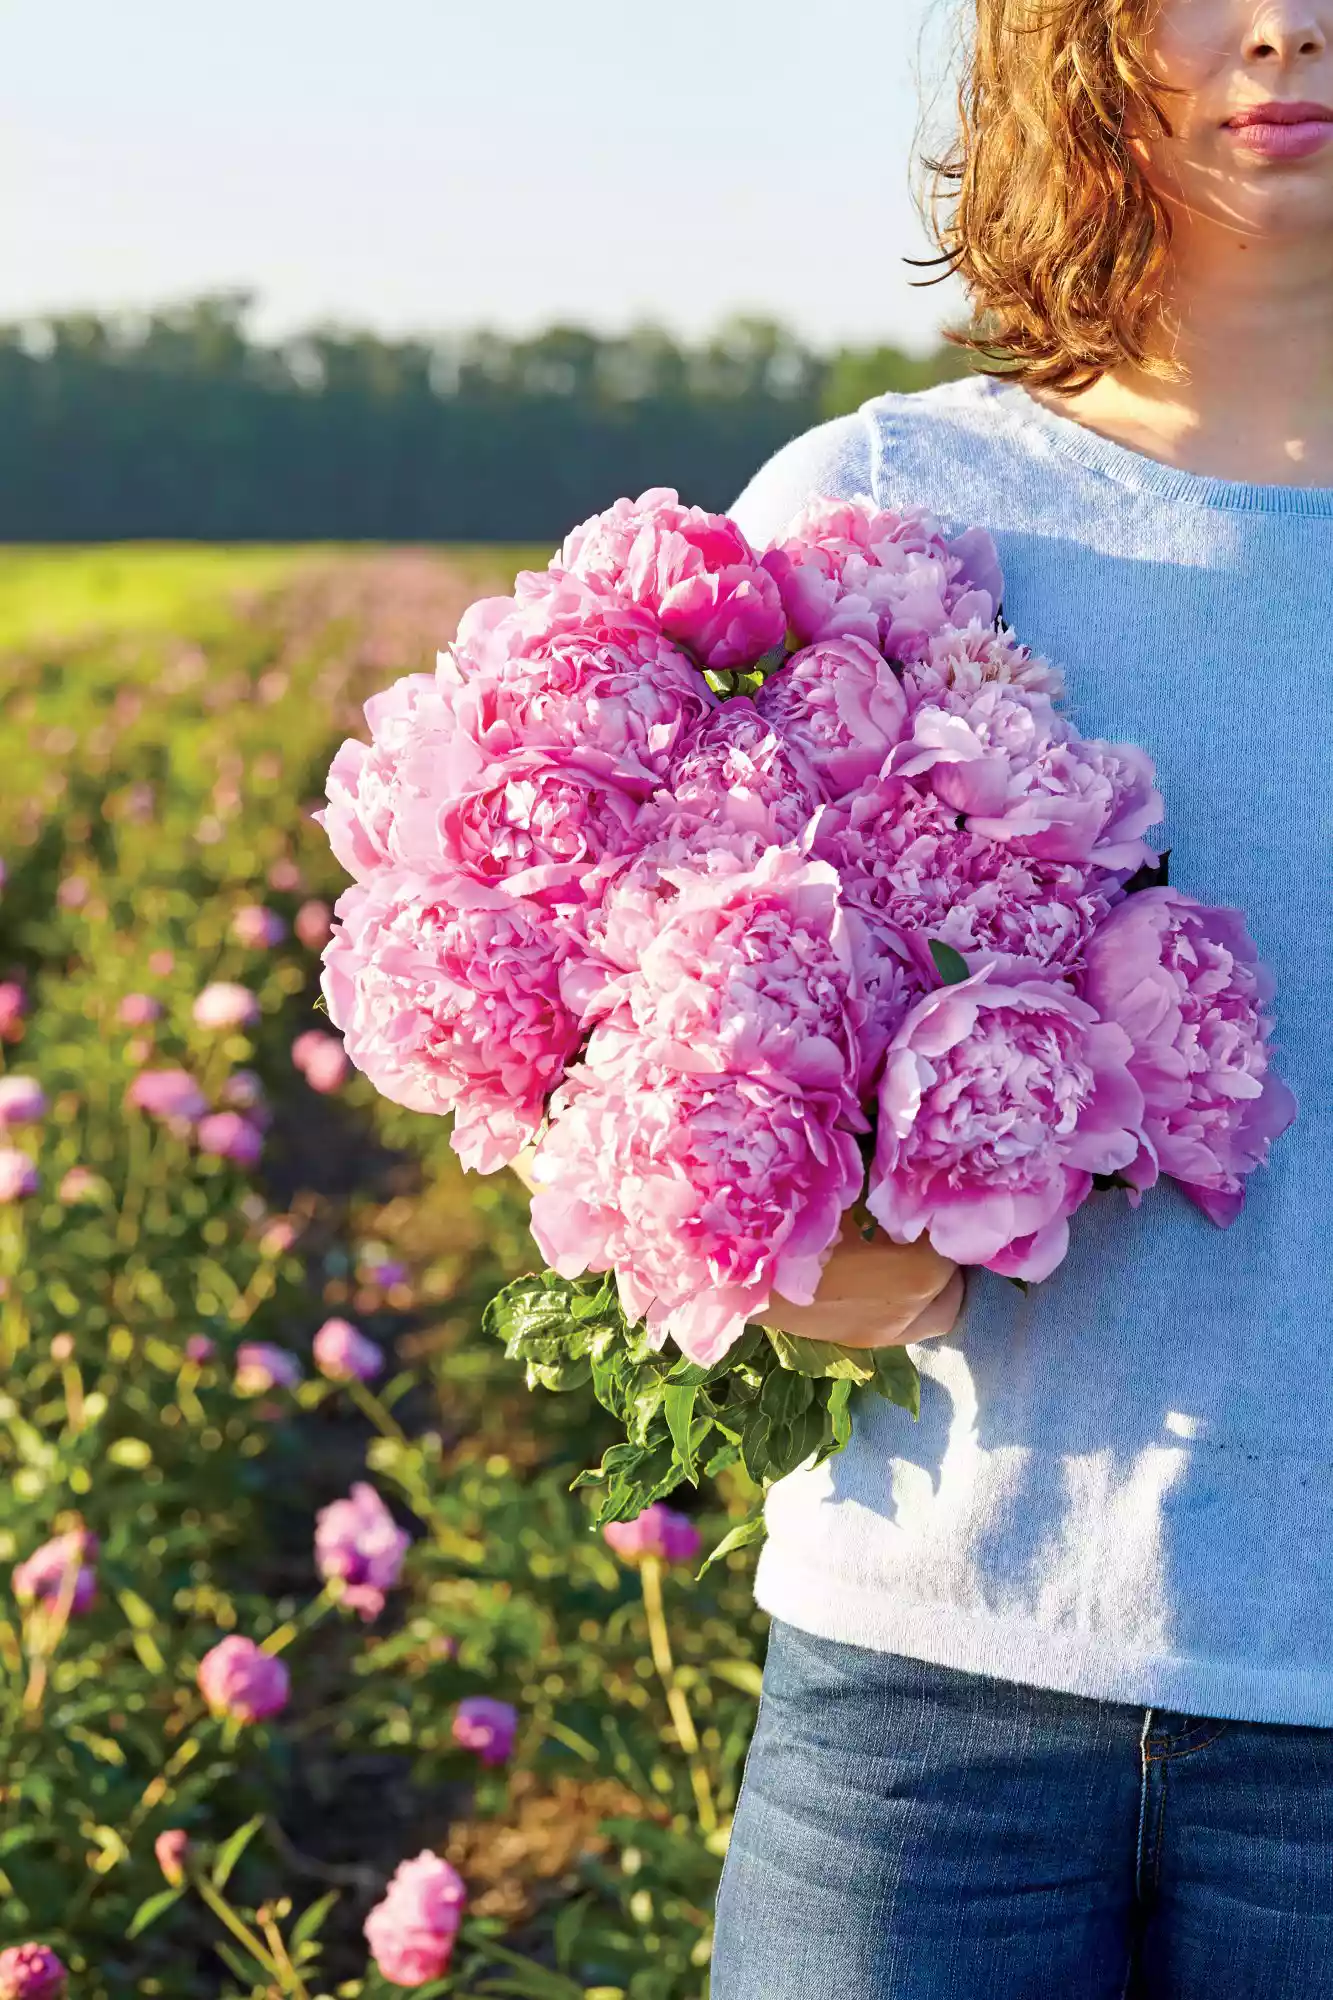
(950, 964)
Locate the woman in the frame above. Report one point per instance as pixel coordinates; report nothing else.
(1049, 1702)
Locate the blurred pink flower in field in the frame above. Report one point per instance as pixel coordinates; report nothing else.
(65, 1563)
(386, 1272)
(72, 893)
(343, 1353)
(321, 1059)
(161, 963)
(244, 1091)
(31, 1972)
(657, 1531)
(279, 1237)
(411, 1932)
(199, 1348)
(139, 1010)
(81, 1184)
(358, 1542)
(169, 1094)
(487, 1726)
(257, 928)
(18, 1175)
(171, 1849)
(13, 1006)
(226, 1005)
(314, 925)
(260, 1367)
(239, 1681)
(230, 1137)
(284, 875)
(22, 1101)
(62, 1348)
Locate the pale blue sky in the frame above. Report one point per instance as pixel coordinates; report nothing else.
(426, 163)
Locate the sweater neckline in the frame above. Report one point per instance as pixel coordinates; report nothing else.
(1149, 475)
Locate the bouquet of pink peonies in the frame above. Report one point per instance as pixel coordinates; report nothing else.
(750, 889)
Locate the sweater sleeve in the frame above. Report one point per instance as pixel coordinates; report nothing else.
(834, 459)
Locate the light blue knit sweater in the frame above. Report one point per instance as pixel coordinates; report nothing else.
(1121, 1484)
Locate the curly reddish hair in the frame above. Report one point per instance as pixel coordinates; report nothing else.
(1042, 205)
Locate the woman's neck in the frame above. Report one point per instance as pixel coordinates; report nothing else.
(1253, 328)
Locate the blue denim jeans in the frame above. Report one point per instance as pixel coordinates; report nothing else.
(906, 1832)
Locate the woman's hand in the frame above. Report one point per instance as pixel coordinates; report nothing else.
(877, 1294)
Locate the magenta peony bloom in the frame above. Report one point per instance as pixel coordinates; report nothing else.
(1001, 1099)
(449, 995)
(486, 1726)
(65, 1563)
(841, 705)
(231, 1138)
(657, 1531)
(260, 1367)
(169, 1094)
(358, 1541)
(18, 1175)
(226, 1005)
(322, 1060)
(22, 1101)
(343, 1353)
(742, 775)
(411, 1932)
(694, 572)
(81, 1184)
(199, 1348)
(31, 1972)
(704, 1192)
(1186, 984)
(241, 1682)
(13, 1006)
(257, 928)
(314, 925)
(139, 1010)
(171, 1849)
(849, 570)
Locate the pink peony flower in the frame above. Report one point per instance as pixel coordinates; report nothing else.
(486, 1726)
(849, 570)
(199, 1348)
(31, 1972)
(741, 774)
(13, 1006)
(841, 705)
(65, 1563)
(411, 1932)
(171, 1849)
(1001, 1099)
(260, 1367)
(546, 825)
(242, 1683)
(257, 928)
(343, 1353)
(226, 1005)
(963, 659)
(22, 1101)
(449, 996)
(1186, 985)
(358, 1542)
(314, 925)
(169, 1094)
(139, 1010)
(230, 1137)
(705, 1192)
(694, 572)
(81, 1184)
(18, 1175)
(657, 1531)
(371, 786)
(322, 1060)
(244, 1091)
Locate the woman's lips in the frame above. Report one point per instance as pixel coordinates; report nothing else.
(1282, 131)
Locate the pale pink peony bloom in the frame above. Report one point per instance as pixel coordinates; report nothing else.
(343, 1353)
(241, 1682)
(229, 1136)
(18, 1175)
(694, 571)
(81, 1184)
(226, 1005)
(314, 925)
(1001, 1099)
(1186, 984)
(370, 785)
(449, 997)
(139, 1010)
(546, 825)
(13, 1006)
(171, 1849)
(257, 928)
(22, 1101)
(657, 1531)
(169, 1094)
(963, 659)
(848, 569)
(31, 1972)
(842, 706)
(411, 1932)
(704, 1192)
(322, 1060)
(260, 1366)
(65, 1563)
(487, 1726)
(358, 1543)
(740, 775)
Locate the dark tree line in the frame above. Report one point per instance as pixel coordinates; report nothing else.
(180, 424)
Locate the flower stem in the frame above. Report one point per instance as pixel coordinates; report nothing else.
(371, 1406)
(650, 1577)
(225, 1914)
